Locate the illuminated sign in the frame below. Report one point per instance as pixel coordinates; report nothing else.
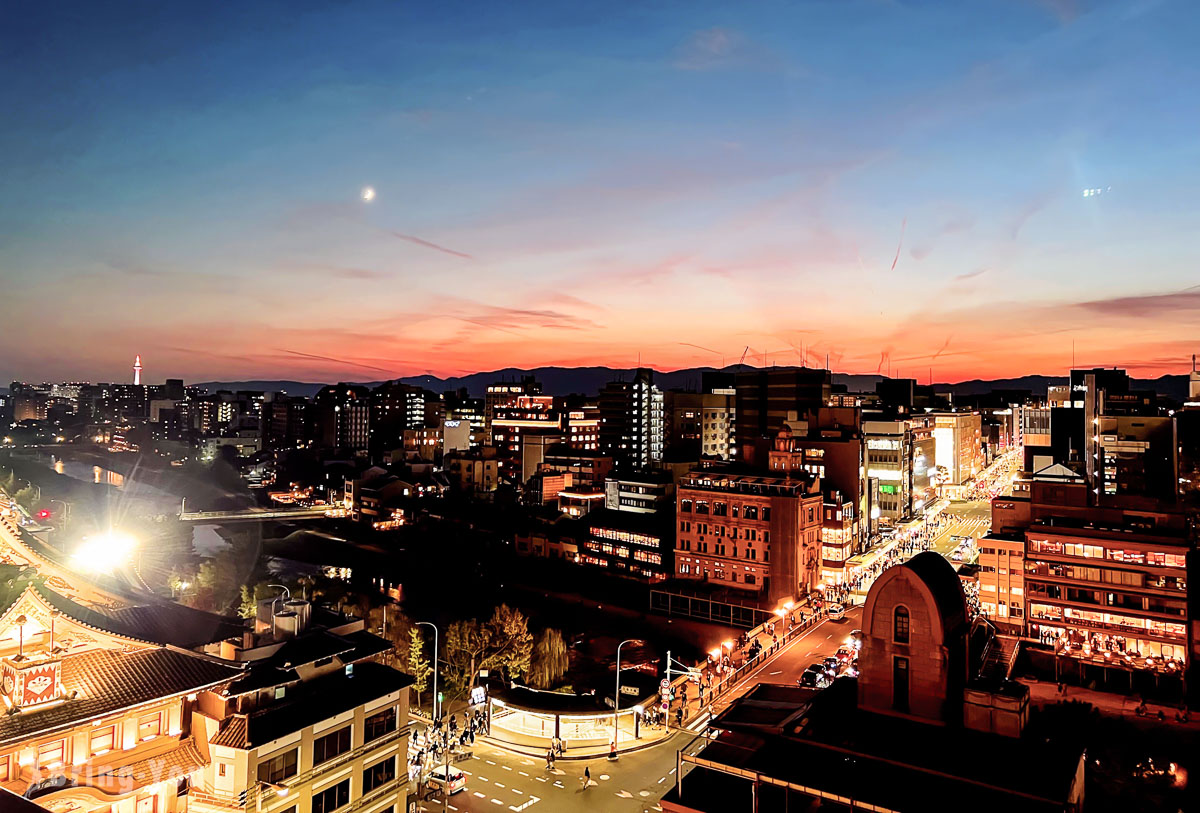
(478, 695)
(32, 684)
(453, 424)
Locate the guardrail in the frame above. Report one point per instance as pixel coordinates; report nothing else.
(731, 678)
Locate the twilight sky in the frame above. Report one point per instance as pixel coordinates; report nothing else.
(889, 183)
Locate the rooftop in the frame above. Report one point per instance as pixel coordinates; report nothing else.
(311, 702)
(108, 681)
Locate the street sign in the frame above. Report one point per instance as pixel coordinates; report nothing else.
(629, 690)
(664, 684)
(666, 706)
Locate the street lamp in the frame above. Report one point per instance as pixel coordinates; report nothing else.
(617, 696)
(436, 717)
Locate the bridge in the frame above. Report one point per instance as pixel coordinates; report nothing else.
(255, 514)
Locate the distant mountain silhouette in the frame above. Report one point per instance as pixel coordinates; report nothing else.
(589, 381)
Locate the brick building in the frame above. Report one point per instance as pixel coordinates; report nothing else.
(752, 533)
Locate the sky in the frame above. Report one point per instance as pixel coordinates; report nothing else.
(892, 186)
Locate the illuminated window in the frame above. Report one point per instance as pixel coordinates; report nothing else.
(103, 739)
(51, 753)
(149, 725)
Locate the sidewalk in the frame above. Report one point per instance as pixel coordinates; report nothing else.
(1042, 693)
(585, 752)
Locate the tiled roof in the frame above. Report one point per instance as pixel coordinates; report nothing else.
(235, 734)
(160, 622)
(109, 680)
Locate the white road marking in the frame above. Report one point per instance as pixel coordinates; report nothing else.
(496, 801)
(643, 793)
(484, 778)
(533, 800)
(505, 767)
(480, 795)
(661, 780)
(499, 785)
(604, 776)
(671, 771)
(776, 672)
(522, 773)
(624, 794)
(540, 778)
(514, 790)
(489, 762)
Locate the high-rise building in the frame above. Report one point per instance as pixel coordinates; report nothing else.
(900, 459)
(344, 417)
(631, 415)
(958, 451)
(767, 398)
(502, 393)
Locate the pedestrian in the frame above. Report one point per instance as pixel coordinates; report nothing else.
(587, 777)
(612, 749)
(549, 759)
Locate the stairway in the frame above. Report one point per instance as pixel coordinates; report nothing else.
(1001, 655)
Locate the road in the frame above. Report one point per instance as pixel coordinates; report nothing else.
(499, 780)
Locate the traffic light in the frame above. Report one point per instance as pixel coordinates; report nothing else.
(441, 697)
(43, 514)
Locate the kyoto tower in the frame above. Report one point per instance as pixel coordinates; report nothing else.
(137, 370)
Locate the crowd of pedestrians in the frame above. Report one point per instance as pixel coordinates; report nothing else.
(433, 745)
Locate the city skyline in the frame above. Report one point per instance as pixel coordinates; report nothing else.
(882, 184)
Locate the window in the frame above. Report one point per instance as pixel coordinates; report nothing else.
(51, 753)
(379, 774)
(685, 506)
(900, 625)
(899, 686)
(332, 798)
(102, 739)
(750, 578)
(278, 768)
(327, 747)
(149, 726)
(750, 512)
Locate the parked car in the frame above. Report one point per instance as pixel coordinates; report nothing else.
(836, 612)
(832, 664)
(815, 677)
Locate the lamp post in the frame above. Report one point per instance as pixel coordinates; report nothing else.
(436, 717)
(617, 696)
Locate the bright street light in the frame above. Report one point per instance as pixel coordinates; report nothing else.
(104, 553)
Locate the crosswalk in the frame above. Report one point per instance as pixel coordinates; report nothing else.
(977, 526)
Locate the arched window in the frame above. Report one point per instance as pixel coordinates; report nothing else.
(900, 625)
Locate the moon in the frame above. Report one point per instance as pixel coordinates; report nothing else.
(368, 193)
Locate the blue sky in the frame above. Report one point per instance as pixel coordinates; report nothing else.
(882, 182)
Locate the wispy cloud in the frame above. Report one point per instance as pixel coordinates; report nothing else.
(1146, 306)
(428, 244)
(331, 359)
(719, 47)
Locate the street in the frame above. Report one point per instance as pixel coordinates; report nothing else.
(500, 780)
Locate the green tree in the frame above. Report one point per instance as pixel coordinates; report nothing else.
(550, 659)
(418, 665)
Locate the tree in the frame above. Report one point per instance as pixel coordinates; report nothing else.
(550, 659)
(509, 642)
(503, 642)
(418, 666)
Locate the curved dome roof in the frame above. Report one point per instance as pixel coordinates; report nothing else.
(942, 580)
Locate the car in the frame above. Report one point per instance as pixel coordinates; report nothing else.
(831, 664)
(845, 653)
(457, 781)
(816, 678)
(956, 556)
(836, 612)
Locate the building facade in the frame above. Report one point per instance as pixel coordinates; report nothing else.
(759, 535)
